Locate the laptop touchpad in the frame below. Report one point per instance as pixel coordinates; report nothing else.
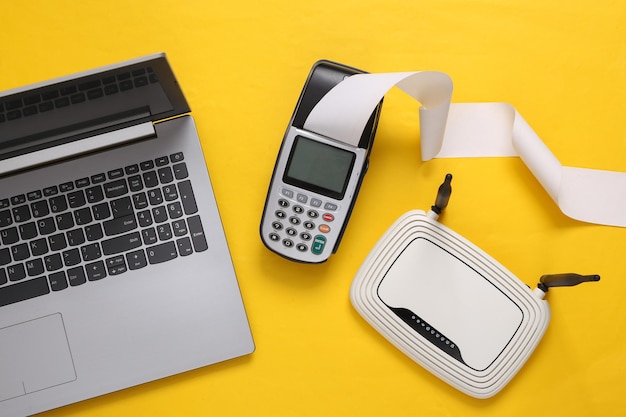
(35, 356)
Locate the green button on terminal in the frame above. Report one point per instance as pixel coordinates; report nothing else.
(318, 245)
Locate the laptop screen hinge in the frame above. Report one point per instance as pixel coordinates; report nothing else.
(70, 149)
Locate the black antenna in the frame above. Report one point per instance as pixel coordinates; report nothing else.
(443, 195)
(564, 280)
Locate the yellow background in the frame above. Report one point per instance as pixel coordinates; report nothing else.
(242, 65)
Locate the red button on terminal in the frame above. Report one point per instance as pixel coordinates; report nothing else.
(328, 217)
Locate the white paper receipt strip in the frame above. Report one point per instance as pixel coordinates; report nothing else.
(472, 130)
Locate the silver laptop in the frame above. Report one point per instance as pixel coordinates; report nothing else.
(114, 267)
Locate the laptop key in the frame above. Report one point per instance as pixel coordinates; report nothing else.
(166, 175)
(180, 171)
(23, 291)
(121, 207)
(57, 242)
(98, 178)
(90, 252)
(101, 211)
(28, 231)
(5, 256)
(145, 218)
(187, 197)
(93, 232)
(82, 182)
(75, 237)
(53, 262)
(136, 259)
(170, 193)
(71, 257)
(21, 213)
(58, 203)
(58, 281)
(50, 191)
(120, 225)
(76, 199)
(162, 253)
(20, 252)
(184, 246)
(64, 221)
(155, 196)
(95, 193)
(115, 188)
(161, 161)
(46, 226)
(121, 244)
(83, 216)
(18, 199)
(76, 276)
(197, 234)
(9, 236)
(164, 231)
(34, 267)
(149, 236)
(16, 272)
(150, 179)
(40, 208)
(95, 271)
(135, 183)
(175, 210)
(5, 218)
(116, 265)
(179, 227)
(66, 186)
(159, 214)
(38, 247)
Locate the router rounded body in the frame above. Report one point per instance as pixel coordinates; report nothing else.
(448, 305)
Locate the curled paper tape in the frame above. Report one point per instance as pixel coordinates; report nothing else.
(472, 130)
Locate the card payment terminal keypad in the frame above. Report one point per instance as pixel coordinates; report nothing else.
(302, 221)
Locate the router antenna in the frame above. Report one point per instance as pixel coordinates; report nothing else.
(443, 195)
(564, 280)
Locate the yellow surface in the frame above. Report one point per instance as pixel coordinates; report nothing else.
(242, 65)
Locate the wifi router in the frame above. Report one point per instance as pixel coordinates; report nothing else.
(450, 306)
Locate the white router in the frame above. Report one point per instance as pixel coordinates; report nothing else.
(450, 306)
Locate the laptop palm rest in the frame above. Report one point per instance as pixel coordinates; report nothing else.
(36, 356)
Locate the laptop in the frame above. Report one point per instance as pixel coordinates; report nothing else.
(114, 267)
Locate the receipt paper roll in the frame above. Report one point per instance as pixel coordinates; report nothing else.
(471, 130)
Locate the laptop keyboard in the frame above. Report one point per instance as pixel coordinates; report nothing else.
(108, 224)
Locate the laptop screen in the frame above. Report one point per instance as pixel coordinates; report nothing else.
(70, 108)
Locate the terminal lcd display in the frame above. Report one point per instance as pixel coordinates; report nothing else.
(319, 167)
